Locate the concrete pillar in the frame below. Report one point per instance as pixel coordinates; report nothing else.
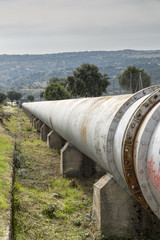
(44, 130)
(54, 140)
(27, 113)
(39, 124)
(98, 170)
(117, 212)
(34, 122)
(75, 164)
(31, 117)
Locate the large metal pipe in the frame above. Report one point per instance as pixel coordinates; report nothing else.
(120, 133)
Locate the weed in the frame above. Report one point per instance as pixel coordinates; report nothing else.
(77, 223)
(18, 158)
(50, 211)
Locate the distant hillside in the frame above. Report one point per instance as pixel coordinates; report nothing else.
(31, 73)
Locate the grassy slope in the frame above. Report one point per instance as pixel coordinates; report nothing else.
(6, 156)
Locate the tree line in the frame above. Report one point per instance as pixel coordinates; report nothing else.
(86, 81)
(14, 96)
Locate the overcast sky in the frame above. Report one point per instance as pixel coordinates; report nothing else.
(52, 26)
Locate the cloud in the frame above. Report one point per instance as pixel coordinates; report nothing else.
(79, 24)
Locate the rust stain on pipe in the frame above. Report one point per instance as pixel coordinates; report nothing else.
(84, 130)
(93, 106)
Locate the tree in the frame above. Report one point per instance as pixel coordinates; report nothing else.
(134, 79)
(87, 81)
(54, 91)
(41, 95)
(61, 81)
(2, 97)
(30, 98)
(18, 96)
(12, 95)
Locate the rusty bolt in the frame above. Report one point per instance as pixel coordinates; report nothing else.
(146, 104)
(139, 115)
(126, 149)
(155, 96)
(132, 125)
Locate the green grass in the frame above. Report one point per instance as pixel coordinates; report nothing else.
(6, 156)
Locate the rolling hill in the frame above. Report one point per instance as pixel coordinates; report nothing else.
(30, 74)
